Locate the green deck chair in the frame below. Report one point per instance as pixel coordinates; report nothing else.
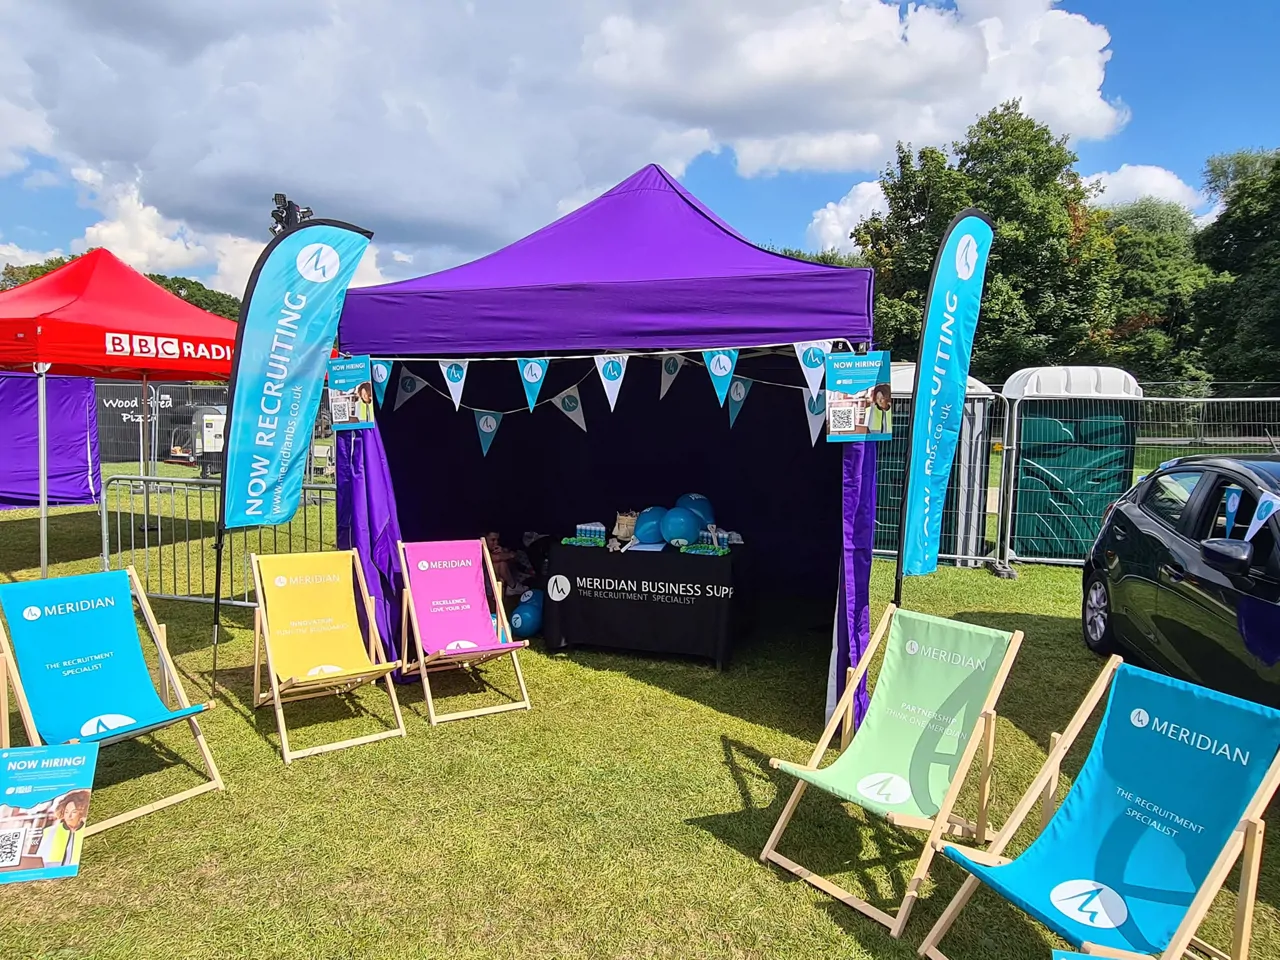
(932, 707)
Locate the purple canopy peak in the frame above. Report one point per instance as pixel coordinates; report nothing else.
(644, 266)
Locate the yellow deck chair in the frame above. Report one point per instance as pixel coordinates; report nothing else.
(307, 625)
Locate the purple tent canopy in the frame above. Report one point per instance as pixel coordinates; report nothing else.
(643, 267)
(75, 476)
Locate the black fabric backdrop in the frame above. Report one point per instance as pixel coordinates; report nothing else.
(543, 473)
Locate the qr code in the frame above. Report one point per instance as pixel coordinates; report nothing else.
(842, 419)
(11, 843)
(341, 409)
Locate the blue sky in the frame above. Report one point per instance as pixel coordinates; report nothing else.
(463, 126)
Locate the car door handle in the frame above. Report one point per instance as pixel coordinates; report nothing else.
(1120, 532)
(1175, 571)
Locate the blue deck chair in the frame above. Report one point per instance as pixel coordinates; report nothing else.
(1170, 796)
(78, 674)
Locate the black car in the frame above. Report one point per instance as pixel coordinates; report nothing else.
(1173, 580)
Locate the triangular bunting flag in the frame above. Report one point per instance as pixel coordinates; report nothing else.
(816, 409)
(720, 364)
(532, 373)
(570, 404)
(409, 385)
(487, 425)
(455, 376)
(671, 365)
(381, 372)
(1267, 504)
(1233, 507)
(812, 355)
(738, 390)
(612, 368)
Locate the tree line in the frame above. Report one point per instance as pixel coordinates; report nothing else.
(1072, 280)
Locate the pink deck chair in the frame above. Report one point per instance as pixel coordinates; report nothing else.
(448, 617)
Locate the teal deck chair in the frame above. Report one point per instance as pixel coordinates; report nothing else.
(78, 674)
(933, 705)
(1170, 796)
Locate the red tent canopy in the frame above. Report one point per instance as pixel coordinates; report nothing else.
(97, 317)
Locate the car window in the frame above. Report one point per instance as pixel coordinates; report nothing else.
(1231, 521)
(1167, 496)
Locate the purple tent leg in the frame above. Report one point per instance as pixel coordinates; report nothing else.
(854, 624)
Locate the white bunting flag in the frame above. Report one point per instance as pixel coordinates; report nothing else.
(816, 409)
(409, 385)
(1267, 504)
(455, 376)
(671, 365)
(570, 404)
(738, 390)
(812, 355)
(611, 368)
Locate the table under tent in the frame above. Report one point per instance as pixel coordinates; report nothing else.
(644, 272)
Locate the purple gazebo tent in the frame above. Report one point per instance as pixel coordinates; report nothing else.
(644, 269)
(74, 473)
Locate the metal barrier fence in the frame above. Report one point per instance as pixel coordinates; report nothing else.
(1031, 481)
(970, 514)
(1072, 457)
(164, 528)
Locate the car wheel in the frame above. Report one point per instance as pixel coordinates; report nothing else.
(1095, 615)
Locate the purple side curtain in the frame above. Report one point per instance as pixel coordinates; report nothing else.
(854, 627)
(367, 523)
(75, 476)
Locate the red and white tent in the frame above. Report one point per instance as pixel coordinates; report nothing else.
(97, 317)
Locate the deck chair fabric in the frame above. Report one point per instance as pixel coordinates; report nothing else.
(313, 637)
(77, 667)
(932, 705)
(447, 615)
(932, 687)
(79, 659)
(1173, 773)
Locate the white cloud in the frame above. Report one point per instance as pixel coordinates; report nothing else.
(450, 129)
(831, 224)
(139, 234)
(399, 256)
(39, 179)
(11, 253)
(1134, 180)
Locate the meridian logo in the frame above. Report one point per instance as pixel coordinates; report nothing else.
(966, 256)
(612, 370)
(488, 424)
(409, 384)
(455, 373)
(738, 392)
(460, 645)
(318, 262)
(912, 647)
(1089, 902)
(105, 724)
(814, 357)
(532, 372)
(282, 581)
(31, 613)
(323, 668)
(818, 404)
(671, 365)
(558, 588)
(569, 403)
(886, 788)
(721, 365)
(380, 373)
(1192, 738)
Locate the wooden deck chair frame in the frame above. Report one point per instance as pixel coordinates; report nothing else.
(1245, 844)
(305, 688)
(945, 822)
(440, 661)
(170, 689)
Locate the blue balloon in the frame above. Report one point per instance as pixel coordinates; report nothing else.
(699, 505)
(526, 620)
(649, 525)
(532, 597)
(680, 526)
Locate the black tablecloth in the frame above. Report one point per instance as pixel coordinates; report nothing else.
(664, 602)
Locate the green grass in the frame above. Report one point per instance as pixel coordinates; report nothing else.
(621, 817)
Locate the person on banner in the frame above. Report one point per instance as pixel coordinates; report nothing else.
(67, 836)
(879, 418)
(362, 409)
